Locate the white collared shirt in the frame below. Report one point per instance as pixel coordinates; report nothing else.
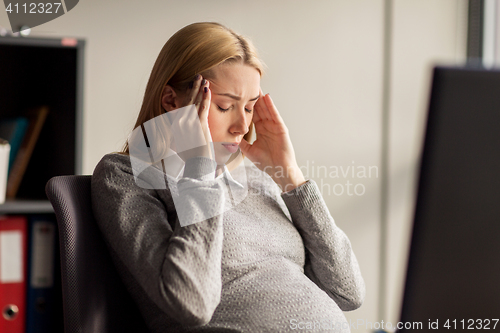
(174, 167)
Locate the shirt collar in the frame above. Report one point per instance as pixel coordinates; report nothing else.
(229, 177)
(174, 167)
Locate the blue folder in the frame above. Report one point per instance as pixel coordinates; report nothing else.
(41, 274)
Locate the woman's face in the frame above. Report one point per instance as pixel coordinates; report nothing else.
(235, 90)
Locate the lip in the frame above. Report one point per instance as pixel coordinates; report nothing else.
(231, 147)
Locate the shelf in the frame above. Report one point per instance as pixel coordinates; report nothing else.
(26, 207)
(44, 72)
(56, 70)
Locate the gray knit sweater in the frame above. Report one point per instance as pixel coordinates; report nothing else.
(273, 263)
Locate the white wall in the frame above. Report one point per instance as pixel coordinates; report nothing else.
(325, 75)
(425, 33)
(491, 34)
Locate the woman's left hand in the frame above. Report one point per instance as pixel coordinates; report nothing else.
(272, 151)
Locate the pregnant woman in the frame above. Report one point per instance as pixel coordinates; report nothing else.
(216, 233)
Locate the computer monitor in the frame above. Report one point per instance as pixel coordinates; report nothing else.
(453, 276)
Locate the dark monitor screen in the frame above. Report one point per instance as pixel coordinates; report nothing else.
(453, 276)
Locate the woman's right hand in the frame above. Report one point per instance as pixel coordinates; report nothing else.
(191, 131)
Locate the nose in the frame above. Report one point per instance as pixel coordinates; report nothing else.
(240, 122)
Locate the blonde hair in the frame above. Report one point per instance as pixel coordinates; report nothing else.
(194, 49)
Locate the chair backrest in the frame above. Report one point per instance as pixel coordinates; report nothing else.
(94, 297)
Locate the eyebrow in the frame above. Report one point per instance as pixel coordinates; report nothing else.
(238, 97)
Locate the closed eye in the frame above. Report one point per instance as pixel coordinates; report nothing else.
(224, 110)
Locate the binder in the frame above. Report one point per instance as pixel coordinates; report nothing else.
(13, 240)
(40, 280)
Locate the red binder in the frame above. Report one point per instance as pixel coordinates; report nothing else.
(13, 242)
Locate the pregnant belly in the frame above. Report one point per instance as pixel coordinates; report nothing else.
(274, 295)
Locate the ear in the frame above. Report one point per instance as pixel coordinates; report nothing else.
(169, 99)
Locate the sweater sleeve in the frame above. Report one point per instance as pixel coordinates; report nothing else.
(178, 268)
(330, 261)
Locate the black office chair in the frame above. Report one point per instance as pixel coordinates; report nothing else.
(94, 297)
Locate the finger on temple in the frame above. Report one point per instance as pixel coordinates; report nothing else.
(199, 96)
(195, 92)
(264, 112)
(273, 111)
(257, 113)
(205, 102)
